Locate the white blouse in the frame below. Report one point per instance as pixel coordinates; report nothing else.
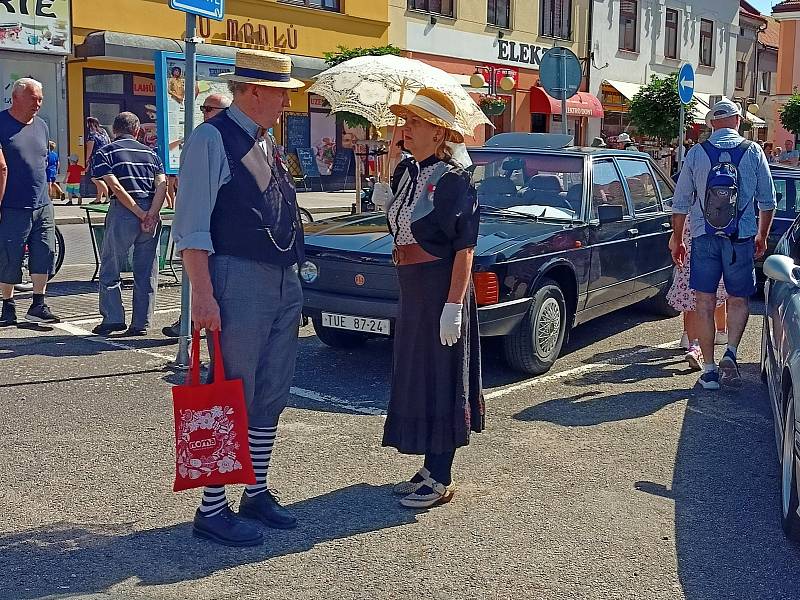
(409, 192)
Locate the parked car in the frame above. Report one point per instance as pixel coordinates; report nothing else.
(780, 366)
(567, 234)
(787, 195)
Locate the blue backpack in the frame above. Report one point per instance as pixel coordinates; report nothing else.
(720, 208)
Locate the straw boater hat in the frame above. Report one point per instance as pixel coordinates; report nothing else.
(432, 106)
(260, 67)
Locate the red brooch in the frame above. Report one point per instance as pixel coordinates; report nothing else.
(431, 188)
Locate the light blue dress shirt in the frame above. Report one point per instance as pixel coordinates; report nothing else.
(204, 170)
(755, 184)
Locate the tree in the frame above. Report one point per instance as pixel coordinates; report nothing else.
(655, 109)
(790, 113)
(341, 55)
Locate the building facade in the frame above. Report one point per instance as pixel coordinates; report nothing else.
(787, 13)
(35, 41)
(498, 38)
(113, 65)
(635, 39)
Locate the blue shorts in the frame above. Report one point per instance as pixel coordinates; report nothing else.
(714, 256)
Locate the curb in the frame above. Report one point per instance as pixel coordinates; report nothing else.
(320, 210)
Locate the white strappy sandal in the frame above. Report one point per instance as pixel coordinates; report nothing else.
(440, 494)
(409, 487)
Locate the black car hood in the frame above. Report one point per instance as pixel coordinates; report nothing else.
(369, 234)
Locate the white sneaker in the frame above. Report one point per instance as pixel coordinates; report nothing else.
(685, 341)
(694, 357)
(721, 338)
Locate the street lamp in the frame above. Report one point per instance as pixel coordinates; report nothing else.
(479, 79)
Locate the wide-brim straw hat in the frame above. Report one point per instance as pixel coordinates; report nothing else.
(432, 106)
(261, 67)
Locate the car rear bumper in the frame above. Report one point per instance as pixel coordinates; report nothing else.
(497, 319)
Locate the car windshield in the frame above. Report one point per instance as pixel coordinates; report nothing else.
(546, 186)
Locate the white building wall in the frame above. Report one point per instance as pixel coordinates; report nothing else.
(610, 63)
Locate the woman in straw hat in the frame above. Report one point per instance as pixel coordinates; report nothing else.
(436, 398)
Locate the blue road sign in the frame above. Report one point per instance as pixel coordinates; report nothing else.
(686, 83)
(213, 9)
(560, 73)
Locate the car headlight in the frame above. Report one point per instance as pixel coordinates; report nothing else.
(309, 272)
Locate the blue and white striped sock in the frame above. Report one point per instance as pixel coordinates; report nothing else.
(261, 442)
(214, 500)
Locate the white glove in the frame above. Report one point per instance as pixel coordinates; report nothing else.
(450, 324)
(381, 195)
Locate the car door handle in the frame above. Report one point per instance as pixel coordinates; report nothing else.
(666, 226)
(633, 233)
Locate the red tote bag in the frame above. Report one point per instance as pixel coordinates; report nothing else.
(211, 444)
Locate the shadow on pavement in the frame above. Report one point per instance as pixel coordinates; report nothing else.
(70, 558)
(70, 345)
(726, 491)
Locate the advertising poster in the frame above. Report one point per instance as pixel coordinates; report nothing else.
(170, 93)
(35, 26)
(323, 140)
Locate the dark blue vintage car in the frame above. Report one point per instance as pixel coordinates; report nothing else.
(567, 234)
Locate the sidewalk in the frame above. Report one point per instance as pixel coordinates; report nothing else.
(317, 203)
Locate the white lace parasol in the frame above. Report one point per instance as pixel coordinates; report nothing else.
(368, 85)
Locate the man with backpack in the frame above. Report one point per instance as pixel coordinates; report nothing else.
(718, 185)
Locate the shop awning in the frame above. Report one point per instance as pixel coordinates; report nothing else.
(582, 104)
(629, 90)
(140, 48)
(704, 105)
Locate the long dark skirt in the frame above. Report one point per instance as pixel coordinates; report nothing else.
(436, 398)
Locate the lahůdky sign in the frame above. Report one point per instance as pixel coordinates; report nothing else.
(519, 52)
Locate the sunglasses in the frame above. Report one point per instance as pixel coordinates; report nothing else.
(208, 109)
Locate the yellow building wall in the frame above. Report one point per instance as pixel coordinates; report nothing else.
(363, 23)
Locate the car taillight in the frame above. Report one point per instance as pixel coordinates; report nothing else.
(487, 289)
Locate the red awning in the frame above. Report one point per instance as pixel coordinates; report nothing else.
(582, 104)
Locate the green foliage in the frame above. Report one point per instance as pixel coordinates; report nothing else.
(790, 113)
(343, 54)
(655, 109)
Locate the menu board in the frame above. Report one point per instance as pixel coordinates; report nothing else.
(298, 131)
(308, 162)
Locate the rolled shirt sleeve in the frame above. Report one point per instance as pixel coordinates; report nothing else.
(204, 170)
(685, 188)
(765, 187)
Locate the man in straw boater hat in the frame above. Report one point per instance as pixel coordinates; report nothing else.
(238, 228)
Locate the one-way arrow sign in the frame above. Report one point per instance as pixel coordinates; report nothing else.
(686, 83)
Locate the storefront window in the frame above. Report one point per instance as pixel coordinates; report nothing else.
(108, 93)
(104, 83)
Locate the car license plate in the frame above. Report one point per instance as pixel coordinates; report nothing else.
(364, 324)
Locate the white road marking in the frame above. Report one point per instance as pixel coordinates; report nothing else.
(93, 320)
(73, 329)
(530, 383)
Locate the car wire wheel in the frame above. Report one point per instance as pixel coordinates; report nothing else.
(548, 327)
(789, 498)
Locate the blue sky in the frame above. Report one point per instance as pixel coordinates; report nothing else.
(765, 6)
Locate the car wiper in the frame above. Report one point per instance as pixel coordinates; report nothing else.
(516, 213)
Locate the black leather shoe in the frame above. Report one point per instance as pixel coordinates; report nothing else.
(174, 330)
(106, 328)
(265, 508)
(8, 314)
(135, 331)
(227, 529)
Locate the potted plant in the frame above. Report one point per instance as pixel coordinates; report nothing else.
(492, 105)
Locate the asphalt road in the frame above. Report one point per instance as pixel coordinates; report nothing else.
(610, 477)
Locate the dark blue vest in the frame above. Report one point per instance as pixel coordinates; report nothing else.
(253, 219)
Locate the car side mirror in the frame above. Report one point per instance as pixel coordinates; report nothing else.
(609, 213)
(782, 268)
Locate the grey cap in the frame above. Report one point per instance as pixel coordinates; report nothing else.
(598, 142)
(722, 109)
